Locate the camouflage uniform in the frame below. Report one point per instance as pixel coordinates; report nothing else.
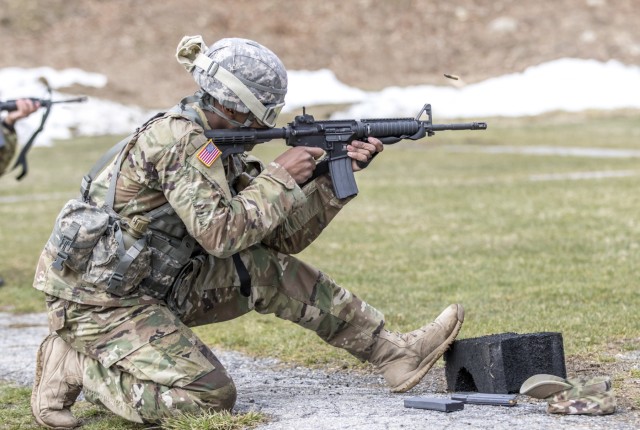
(8, 145)
(583, 395)
(587, 396)
(144, 362)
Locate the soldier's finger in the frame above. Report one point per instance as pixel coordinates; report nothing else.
(359, 156)
(315, 152)
(376, 143)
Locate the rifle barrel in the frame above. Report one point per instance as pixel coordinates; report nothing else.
(72, 100)
(460, 126)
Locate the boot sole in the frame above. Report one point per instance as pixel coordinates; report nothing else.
(35, 411)
(431, 359)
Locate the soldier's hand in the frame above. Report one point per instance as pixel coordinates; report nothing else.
(300, 162)
(25, 107)
(363, 151)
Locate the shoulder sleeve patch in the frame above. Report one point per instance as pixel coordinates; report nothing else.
(209, 153)
(204, 161)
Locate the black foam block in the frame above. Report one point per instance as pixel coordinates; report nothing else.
(500, 363)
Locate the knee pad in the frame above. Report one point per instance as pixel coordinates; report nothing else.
(215, 390)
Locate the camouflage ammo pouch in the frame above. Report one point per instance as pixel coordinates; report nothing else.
(77, 230)
(88, 240)
(116, 267)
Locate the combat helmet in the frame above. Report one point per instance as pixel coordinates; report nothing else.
(240, 74)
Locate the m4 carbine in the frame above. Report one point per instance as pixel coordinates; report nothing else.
(333, 136)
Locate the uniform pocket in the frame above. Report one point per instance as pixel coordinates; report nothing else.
(144, 325)
(56, 312)
(184, 286)
(188, 359)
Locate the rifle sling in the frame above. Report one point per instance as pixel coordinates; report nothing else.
(243, 274)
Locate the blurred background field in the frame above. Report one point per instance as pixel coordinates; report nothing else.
(369, 44)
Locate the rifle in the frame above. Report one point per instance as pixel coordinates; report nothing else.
(333, 136)
(10, 105)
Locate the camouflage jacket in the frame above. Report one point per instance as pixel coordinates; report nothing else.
(8, 147)
(226, 207)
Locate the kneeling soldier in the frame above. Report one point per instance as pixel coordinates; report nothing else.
(185, 237)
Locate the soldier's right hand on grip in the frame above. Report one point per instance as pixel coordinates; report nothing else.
(300, 162)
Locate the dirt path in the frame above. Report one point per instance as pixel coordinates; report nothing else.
(304, 399)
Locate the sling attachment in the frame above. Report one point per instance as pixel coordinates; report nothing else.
(68, 238)
(243, 274)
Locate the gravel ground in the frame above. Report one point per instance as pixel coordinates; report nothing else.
(305, 399)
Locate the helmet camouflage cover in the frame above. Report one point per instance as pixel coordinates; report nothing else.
(257, 67)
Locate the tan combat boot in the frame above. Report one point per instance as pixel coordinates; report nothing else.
(58, 382)
(404, 358)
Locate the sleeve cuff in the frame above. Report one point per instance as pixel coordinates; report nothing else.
(279, 174)
(324, 186)
(290, 190)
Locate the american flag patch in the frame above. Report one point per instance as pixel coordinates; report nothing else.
(209, 154)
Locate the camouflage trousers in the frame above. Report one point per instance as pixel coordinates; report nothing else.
(144, 361)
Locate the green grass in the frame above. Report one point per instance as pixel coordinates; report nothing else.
(437, 221)
(16, 414)
(214, 421)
